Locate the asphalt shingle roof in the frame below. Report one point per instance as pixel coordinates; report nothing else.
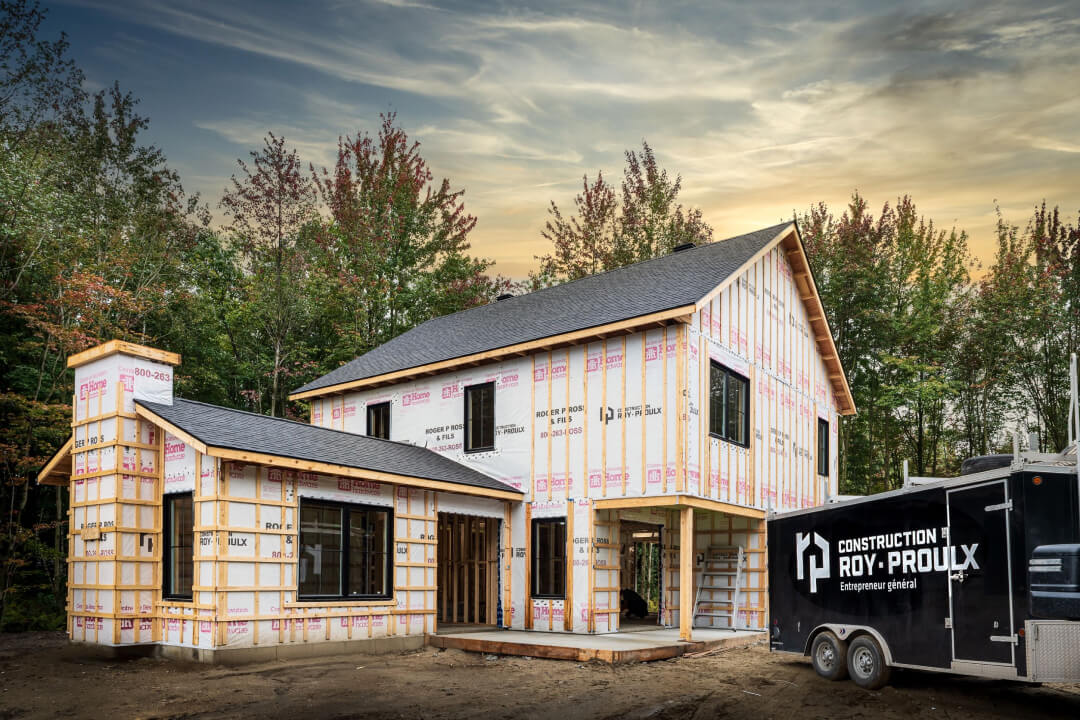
(647, 287)
(238, 430)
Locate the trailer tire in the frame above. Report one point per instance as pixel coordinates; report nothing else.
(866, 663)
(829, 656)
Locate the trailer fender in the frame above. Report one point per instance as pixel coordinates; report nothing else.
(846, 633)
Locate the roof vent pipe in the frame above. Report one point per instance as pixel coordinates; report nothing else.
(504, 296)
(684, 246)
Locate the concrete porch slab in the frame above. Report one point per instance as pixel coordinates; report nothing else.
(621, 647)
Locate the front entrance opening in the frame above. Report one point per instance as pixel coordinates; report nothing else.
(468, 569)
(641, 574)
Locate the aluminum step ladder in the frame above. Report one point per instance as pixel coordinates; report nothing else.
(728, 565)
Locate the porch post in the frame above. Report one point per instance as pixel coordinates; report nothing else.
(686, 572)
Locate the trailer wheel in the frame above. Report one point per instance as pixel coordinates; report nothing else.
(866, 663)
(829, 656)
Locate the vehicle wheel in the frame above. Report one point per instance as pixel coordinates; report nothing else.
(866, 663)
(829, 656)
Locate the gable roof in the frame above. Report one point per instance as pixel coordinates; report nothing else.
(220, 429)
(675, 281)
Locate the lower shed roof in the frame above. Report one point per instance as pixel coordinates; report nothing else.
(249, 437)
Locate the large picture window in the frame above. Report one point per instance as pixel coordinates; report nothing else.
(729, 405)
(345, 551)
(179, 546)
(480, 417)
(378, 420)
(822, 447)
(549, 558)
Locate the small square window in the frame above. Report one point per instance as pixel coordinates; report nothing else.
(729, 405)
(480, 417)
(378, 420)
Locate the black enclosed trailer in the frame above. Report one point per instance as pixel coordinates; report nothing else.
(978, 574)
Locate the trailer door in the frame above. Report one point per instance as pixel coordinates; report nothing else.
(980, 582)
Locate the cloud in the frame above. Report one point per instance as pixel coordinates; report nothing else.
(762, 108)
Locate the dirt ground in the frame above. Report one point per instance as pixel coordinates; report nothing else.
(41, 676)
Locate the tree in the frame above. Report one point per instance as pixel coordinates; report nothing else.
(39, 82)
(894, 288)
(395, 249)
(270, 203)
(90, 252)
(606, 234)
(1028, 302)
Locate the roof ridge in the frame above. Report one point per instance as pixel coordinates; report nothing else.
(637, 263)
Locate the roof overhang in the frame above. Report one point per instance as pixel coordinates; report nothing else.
(58, 470)
(306, 465)
(623, 327)
(791, 242)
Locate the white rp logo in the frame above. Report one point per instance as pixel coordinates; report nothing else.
(817, 572)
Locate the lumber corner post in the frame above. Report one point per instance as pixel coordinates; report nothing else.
(686, 572)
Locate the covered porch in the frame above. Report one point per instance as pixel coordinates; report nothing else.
(712, 564)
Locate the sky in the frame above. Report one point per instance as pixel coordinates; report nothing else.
(763, 108)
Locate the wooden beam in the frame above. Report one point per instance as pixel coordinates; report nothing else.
(677, 501)
(53, 466)
(680, 314)
(686, 573)
(360, 473)
(113, 347)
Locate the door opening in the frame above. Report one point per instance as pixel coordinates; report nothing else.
(641, 575)
(468, 570)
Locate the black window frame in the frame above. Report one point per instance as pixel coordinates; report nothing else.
(168, 592)
(467, 444)
(823, 447)
(534, 559)
(378, 407)
(343, 579)
(728, 375)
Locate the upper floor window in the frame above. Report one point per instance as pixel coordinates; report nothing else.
(378, 420)
(729, 405)
(822, 447)
(179, 546)
(480, 417)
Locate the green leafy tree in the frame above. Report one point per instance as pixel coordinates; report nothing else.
(269, 206)
(605, 233)
(394, 251)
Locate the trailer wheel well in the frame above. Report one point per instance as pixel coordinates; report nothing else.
(847, 634)
(813, 636)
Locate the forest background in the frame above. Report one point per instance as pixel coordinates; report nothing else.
(314, 266)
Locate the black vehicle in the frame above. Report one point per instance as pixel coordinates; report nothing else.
(978, 575)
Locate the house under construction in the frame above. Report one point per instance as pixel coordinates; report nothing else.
(515, 465)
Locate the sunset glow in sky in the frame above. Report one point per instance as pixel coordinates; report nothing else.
(763, 107)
